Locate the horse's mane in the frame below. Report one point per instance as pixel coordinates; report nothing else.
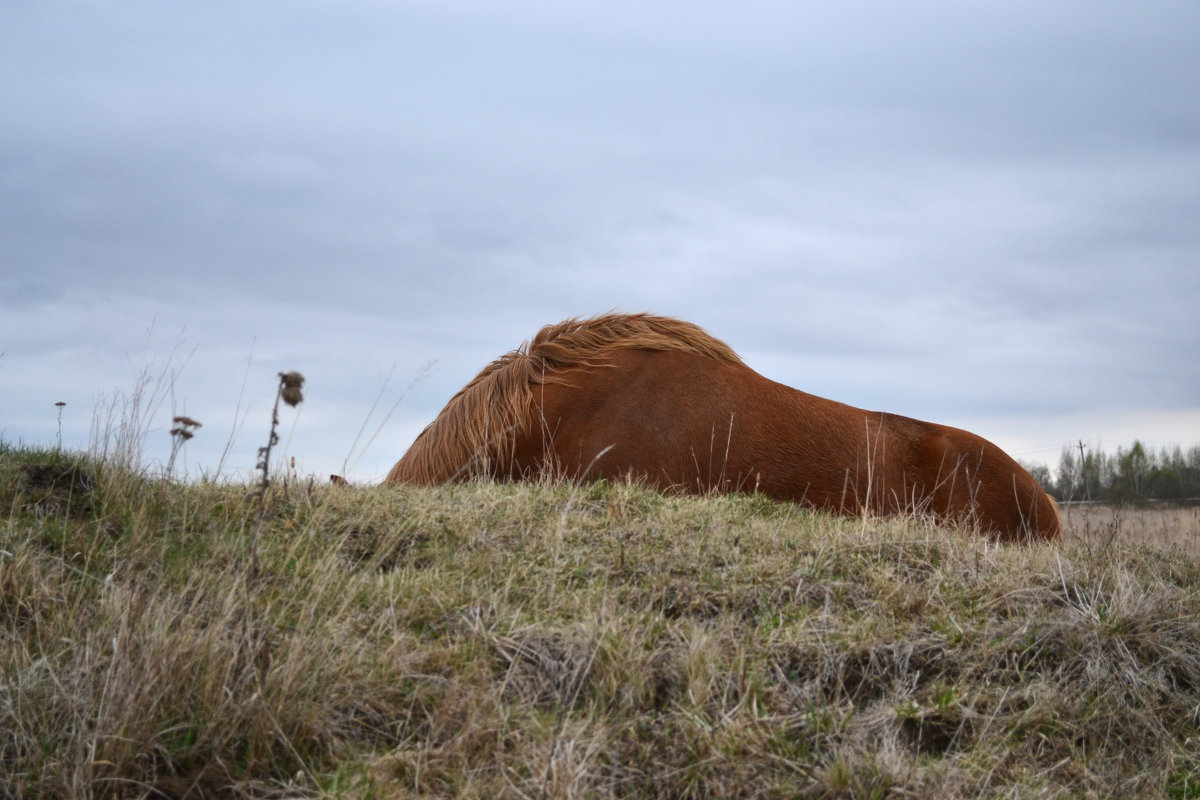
(486, 415)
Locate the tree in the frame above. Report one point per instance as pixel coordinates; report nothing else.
(1069, 485)
(1041, 474)
(1132, 468)
(1164, 483)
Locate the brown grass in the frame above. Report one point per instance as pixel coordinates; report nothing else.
(1159, 525)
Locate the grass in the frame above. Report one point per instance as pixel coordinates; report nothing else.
(1159, 525)
(528, 641)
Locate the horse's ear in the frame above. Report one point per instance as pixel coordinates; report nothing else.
(338, 480)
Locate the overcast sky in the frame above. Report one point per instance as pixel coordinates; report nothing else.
(983, 214)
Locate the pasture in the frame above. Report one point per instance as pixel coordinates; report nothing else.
(556, 641)
(1156, 525)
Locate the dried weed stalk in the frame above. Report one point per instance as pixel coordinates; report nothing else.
(58, 445)
(183, 429)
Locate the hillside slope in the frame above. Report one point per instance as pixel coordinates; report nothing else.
(494, 640)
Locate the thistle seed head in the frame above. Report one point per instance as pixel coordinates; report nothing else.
(292, 381)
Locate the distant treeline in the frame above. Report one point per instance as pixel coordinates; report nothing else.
(1130, 475)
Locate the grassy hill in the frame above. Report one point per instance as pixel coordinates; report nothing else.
(485, 640)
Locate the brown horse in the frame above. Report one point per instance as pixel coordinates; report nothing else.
(659, 400)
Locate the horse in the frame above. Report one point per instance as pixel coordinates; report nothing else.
(658, 400)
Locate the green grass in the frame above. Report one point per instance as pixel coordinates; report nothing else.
(494, 640)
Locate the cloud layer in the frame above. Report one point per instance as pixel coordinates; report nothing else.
(980, 213)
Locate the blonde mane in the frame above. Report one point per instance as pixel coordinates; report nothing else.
(486, 415)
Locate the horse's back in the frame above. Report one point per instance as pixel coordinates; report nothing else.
(679, 420)
(669, 418)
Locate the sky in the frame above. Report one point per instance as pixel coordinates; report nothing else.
(981, 214)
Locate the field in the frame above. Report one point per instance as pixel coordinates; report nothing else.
(482, 641)
(1160, 525)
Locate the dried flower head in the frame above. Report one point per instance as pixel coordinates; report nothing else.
(184, 428)
(292, 381)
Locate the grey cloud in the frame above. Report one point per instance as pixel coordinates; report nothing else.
(930, 207)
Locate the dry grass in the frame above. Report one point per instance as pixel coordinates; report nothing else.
(560, 642)
(1159, 525)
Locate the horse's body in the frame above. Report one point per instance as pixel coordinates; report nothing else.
(658, 400)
